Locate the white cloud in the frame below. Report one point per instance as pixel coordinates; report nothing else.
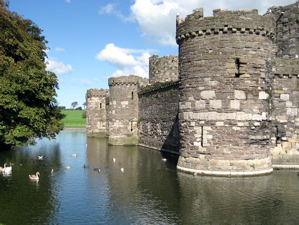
(111, 9)
(156, 18)
(82, 81)
(58, 67)
(108, 9)
(141, 71)
(59, 49)
(68, 1)
(127, 61)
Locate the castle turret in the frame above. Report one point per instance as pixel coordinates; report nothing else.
(123, 109)
(96, 122)
(163, 69)
(286, 27)
(225, 66)
(285, 83)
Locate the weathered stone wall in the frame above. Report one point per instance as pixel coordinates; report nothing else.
(235, 104)
(123, 109)
(287, 29)
(285, 108)
(163, 69)
(96, 121)
(225, 70)
(158, 117)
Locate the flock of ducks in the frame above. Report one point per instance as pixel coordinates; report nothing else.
(87, 166)
(7, 170)
(99, 170)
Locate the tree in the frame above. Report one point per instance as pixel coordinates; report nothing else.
(28, 108)
(74, 104)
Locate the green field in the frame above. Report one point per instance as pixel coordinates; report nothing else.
(74, 119)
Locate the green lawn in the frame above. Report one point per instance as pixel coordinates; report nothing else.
(74, 119)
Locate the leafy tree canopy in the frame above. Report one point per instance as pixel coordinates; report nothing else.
(28, 108)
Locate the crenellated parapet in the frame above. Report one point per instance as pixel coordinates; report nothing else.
(96, 93)
(225, 22)
(127, 80)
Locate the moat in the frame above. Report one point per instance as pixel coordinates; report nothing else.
(148, 191)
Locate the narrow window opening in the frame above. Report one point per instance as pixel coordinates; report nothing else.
(237, 63)
(201, 137)
(278, 138)
(132, 95)
(100, 105)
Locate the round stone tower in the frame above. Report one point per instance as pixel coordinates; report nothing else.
(96, 112)
(123, 109)
(163, 69)
(225, 66)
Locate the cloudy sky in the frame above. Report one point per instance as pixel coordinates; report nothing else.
(92, 40)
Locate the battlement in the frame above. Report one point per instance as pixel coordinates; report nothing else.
(96, 93)
(223, 22)
(127, 80)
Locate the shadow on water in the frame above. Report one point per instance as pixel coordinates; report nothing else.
(149, 190)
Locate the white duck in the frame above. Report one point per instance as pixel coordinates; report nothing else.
(40, 157)
(34, 177)
(6, 169)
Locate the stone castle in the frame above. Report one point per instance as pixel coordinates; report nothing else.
(227, 104)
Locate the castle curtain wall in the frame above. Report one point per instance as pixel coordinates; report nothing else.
(158, 118)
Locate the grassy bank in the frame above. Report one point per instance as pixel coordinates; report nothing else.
(74, 119)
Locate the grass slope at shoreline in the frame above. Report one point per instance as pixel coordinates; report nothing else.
(73, 119)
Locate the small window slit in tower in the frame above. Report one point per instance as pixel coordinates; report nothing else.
(237, 63)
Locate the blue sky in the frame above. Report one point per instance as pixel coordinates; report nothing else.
(92, 40)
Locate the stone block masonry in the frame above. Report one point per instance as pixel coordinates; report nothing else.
(96, 120)
(158, 117)
(163, 69)
(227, 104)
(224, 113)
(123, 109)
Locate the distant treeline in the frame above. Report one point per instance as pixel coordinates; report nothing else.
(64, 108)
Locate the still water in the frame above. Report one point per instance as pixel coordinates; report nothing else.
(148, 191)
